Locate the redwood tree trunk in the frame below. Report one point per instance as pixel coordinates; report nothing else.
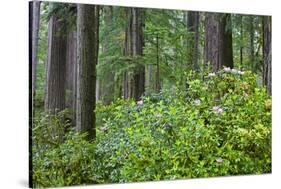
(56, 66)
(107, 83)
(71, 71)
(192, 42)
(218, 40)
(267, 71)
(241, 40)
(87, 52)
(133, 83)
(252, 49)
(225, 34)
(35, 37)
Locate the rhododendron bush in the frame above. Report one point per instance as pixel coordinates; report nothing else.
(221, 125)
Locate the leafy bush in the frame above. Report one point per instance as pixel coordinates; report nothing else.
(222, 126)
(60, 155)
(219, 126)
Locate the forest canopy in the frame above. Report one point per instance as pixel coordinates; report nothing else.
(123, 94)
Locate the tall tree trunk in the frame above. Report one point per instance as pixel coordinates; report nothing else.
(35, 20)
(218, 40)
(252, 48)
(127, 50)
(241, 41)
(107, 83)
(148, 79)
(133, 83)
(157, 77)
(87, 53)
(226, 50)
(193, 39)
(211, 49)
(267, 71)
(71, 71)
(56, 66)
(138, 44)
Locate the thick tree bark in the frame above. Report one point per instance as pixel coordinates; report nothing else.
(218, 40)
(148, 79)
(157, 76)
(252, 48)
(107, 83)
(241, 41)
(267, 69)
(226, 52)
(87, 52)
(211, 49)
(71, 71)
(35, 36)
(56, 66)
(134, 83)
(193, 39)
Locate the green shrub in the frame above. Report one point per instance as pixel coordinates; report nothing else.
(60, 155)
(223, 127)
(219, 126)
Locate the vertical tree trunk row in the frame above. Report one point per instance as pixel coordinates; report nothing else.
(87, 53)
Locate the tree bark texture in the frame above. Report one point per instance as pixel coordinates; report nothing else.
(87, 52)
(193, 39)
(71, 71)
(267, 71)
(107, 83)
(56, 66)
(134, 83)
(35, 20)
(252, 48)
(218, 40)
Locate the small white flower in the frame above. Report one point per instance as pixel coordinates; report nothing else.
(197, 102)
(241, 72)
(217, 100)
(215, 108)
(211, 74)
(219, 160)
(227, 69)
(220, 110)
(158, 115)
(234, 71)
(140, 102)
(104, 129)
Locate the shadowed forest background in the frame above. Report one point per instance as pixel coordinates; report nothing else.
(123, 94)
